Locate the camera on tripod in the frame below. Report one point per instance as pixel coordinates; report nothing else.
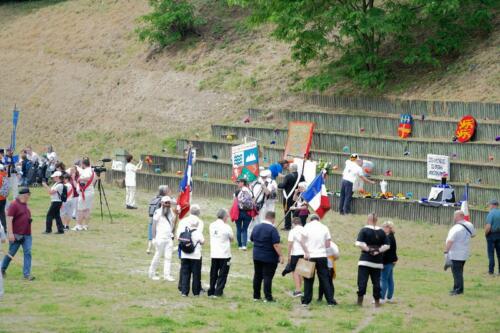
(98, 169)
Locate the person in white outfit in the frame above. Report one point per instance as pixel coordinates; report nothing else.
(191, 262)
(86, 183)
(130, 181)
(265, 192)
(164, 221)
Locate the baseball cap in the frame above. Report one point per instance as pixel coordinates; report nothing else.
(354, 157)
(166, 199)
(494, 202)
(24, 190)
(56, 174)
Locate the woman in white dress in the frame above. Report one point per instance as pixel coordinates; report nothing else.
(86, 183)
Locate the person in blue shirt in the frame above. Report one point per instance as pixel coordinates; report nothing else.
(492, 233)
(278, 168)
(266, 256)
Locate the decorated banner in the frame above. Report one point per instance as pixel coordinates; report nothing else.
(405, 123)
(299, 139)
(245, 160)
(465, 129)
(438, 166)
(15, 119)
(306, 168)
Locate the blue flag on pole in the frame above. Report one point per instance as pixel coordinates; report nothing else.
(15, 119)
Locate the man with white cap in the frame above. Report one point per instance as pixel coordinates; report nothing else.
(352, 172)
(164, 220)
(57, 193)
(266, 189)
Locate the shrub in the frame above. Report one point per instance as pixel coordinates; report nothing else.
(169, 22)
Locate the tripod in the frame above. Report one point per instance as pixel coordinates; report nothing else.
(102, 193)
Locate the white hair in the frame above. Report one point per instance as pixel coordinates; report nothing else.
(195, 210)
(293, 167)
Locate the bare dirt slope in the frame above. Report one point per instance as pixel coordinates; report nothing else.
(85, 84)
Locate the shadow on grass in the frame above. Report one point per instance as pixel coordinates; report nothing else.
(11, 9)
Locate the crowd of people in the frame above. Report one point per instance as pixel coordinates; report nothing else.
(310, 244)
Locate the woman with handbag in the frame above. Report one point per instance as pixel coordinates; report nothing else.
(246, 207)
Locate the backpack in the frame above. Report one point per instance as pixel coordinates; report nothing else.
(5, 188)
(153, 206)
(245, 200)
(185, 241)
(64, 195)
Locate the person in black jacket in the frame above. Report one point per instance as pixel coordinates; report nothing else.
(373, 242)
(390, 259)
(288, 186)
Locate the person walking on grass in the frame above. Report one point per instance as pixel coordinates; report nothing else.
(19, 232)
(492, 233)
(164, 221)
(154, 204)
(315, 241)
(266, 256)
(373, 242)
(295, 252)
(390, 257)
(130, 181)
(3, 239)
(191, 262)
(221, 236)
(457, 249)
(57, 193)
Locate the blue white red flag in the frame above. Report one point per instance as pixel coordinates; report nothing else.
(465, 205)
(316, 195)
(186, 186)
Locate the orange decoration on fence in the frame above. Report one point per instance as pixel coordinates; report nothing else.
(465, 129)
(148, 160)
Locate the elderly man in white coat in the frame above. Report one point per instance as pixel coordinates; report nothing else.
(457, 249)
(164, 221)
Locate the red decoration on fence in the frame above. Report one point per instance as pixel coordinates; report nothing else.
(465, 129)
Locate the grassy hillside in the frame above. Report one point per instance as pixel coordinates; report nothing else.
(87, 85)
(96, 281)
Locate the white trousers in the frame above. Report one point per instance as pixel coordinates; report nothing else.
(130, 196)
(13, 184)
(163, 248)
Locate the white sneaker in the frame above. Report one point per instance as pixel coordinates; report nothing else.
(169, 278)
(244, 248)
(85, 227)
(240, 248)
(77, 228)
(155, 278)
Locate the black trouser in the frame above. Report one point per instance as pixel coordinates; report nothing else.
(287, 203)
(218, 276)
(374, 273)
(324, 281)
(190, 267)
(2, 214)
(54, 213)
(321, 292)
(345, 197)
(493, 244)
(263, 271)
(457, 268)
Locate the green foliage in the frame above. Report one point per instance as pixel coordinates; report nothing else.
(169, 22)
(363, 39)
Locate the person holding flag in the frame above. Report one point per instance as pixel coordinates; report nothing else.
(316, 195)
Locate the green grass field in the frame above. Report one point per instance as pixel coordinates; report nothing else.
(96, 281)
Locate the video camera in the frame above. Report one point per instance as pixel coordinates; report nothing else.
(98, 169)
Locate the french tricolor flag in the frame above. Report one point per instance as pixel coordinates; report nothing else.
(316, 195)
(185, 187)
(465, 205)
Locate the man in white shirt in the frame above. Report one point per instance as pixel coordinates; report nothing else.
(221, 236)
(457, 249)
(130, 181)
(295, 252)
(352, 173)
(54, 213)
(164, 220)
(194, 214)
(316, 239)
(191, 262)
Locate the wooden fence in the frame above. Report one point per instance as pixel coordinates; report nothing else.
(387, 209)
(395, 105)
(382, 124)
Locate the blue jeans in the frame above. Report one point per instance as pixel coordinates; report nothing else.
(493, 241)
(242, 224)
(26, 243)
(345, 197)
(387, 282)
